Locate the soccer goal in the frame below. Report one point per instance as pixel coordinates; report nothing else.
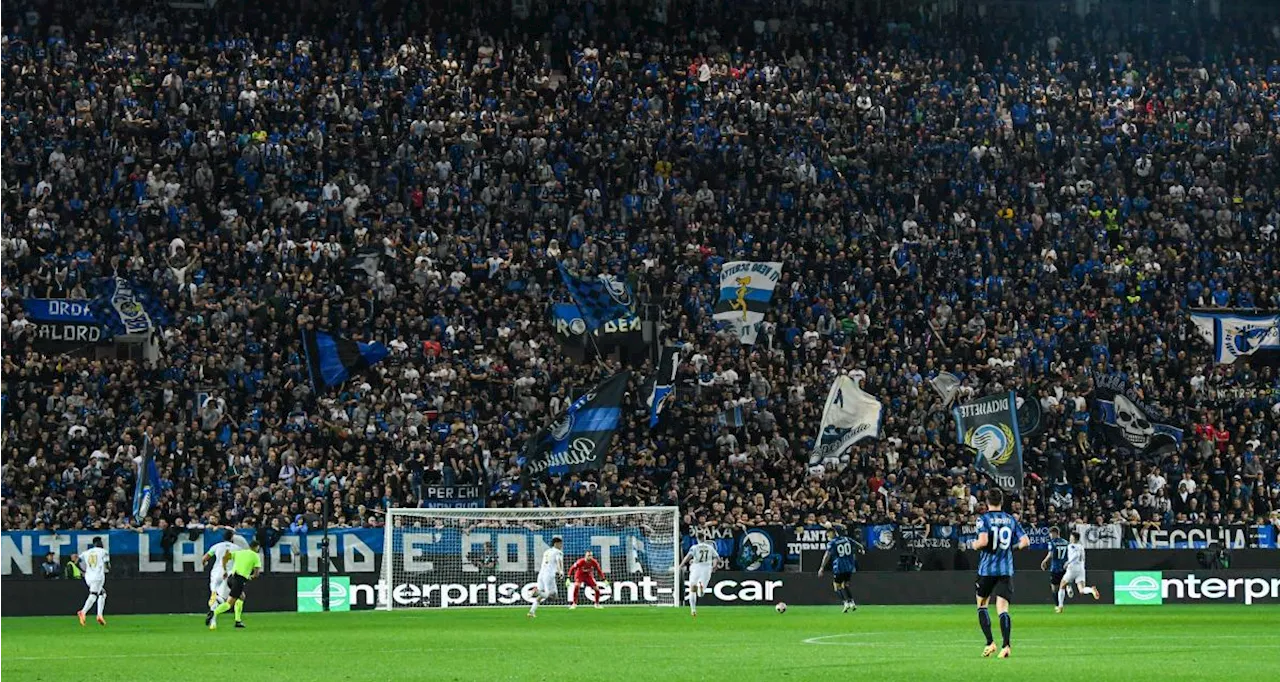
(490, 557)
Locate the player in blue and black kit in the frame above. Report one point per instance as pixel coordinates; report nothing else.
(1056, 564)
(840, 555)
(998, 535)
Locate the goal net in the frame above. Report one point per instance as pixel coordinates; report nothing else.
(490, 557)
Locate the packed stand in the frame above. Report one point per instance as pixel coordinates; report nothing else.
(1026, 213)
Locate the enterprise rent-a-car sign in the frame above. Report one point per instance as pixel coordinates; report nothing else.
(1153, 588)
(727, 588)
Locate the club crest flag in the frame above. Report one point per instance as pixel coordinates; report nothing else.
(746, 294)
(1237, 334)
(1128, 422)
(125, 308)
(578, 438)
(850, 415)
(989, 425)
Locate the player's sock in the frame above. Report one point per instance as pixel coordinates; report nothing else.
(1062, 598)
(88, 603)
(693, 600)
(848, 592)
(844, 598)
(223, 608)
(533, 608)
(102, 603)
(239, 609)
(1086, 590)
(1006, 627)
(984, 620)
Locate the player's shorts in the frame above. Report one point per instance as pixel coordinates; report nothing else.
(1055, 578)
(989, 586)
(700, 575)
(586, 580)
(1074, 576)
(95, 584)
(235, 585)
(218, 586)
(547, 584)
(841, 578)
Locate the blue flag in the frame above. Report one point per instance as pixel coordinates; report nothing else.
(332, 359)
(147, 487)
(663, 383)
(602, 299)
(579, 437)
(123, 307)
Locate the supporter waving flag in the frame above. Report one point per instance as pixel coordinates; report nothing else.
(602, 299)
(332, 359)
(579, 437)
(147, 486)
(124, 308)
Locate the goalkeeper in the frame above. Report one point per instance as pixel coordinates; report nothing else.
(585, 571)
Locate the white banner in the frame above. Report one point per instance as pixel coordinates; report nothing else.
(1106, 536)
(746, 294)
(1235, 334)
(850, 415)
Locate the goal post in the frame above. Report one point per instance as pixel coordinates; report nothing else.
(453, 558)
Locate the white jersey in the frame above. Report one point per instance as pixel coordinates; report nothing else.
(703, 554)
(94, 560)
(552, 562)
(220, 552)
(1075, 556)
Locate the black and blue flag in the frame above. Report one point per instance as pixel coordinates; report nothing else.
(600, 300)
(579, 437)
(147, 486)
(663, 383)
(332, 359)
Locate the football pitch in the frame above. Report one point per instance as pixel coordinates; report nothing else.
(731, 643)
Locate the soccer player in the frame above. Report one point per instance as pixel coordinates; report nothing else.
(999, 534)
(95, 563)
(840, 555)
(245, 566)
(1056, 563)
(220, 555)
(551, 572)
(1075, 574)
(701, 559)
(584, 571)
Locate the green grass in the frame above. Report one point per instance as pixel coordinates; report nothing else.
(731, 643)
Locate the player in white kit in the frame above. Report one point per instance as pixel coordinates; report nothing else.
(220, 555)
(702, 560)
(549, 575)
(1075, 573)
(95, 562)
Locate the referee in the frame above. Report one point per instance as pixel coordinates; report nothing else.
(245, 567)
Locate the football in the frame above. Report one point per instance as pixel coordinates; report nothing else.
(781, 607)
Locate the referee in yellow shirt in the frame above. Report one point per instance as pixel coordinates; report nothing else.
(246, 565)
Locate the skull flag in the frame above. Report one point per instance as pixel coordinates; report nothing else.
(1128, 423)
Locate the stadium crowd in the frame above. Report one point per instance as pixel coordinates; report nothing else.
(1026, 208)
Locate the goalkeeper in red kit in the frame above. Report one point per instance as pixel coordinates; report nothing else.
(585, 571)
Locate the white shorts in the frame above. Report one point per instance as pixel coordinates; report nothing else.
(700, 575)
(218, 585)
(547, 584)
(95, 584)
(1073, 576)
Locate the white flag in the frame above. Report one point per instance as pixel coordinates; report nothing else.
(850, 415)
(1236, 334)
